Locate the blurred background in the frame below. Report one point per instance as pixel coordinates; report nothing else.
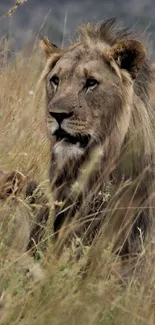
(58, 19)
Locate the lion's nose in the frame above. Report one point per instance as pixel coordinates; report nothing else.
(61, 116)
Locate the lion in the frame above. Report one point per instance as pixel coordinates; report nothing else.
(102, 135)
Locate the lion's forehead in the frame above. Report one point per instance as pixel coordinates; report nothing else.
(80, 62)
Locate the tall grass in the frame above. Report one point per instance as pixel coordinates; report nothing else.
(51, 290)
(10, 12)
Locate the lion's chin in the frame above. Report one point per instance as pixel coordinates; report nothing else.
(64, 150)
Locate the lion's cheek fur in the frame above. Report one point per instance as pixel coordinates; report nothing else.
(113, 116)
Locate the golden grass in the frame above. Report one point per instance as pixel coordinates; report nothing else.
(55, 291)
(10, 12)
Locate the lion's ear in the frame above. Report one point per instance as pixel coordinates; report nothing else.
(49, 48)
(129, 55)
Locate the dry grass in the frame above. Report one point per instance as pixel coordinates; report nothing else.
(52, 291)
(10, 12)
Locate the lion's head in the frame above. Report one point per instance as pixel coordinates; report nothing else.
(91, 88)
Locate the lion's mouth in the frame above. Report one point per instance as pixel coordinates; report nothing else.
(81, 140)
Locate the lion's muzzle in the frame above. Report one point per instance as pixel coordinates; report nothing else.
(63, 135)
(61, 116)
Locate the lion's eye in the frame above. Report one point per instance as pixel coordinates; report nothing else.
(54, 80)
(91, 82)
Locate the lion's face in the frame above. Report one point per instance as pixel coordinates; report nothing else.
(87, 92)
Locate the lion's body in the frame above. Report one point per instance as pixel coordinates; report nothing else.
(102, 132)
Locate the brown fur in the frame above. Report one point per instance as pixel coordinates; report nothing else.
(117, 116)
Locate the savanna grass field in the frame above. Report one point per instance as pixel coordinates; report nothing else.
(47, 289)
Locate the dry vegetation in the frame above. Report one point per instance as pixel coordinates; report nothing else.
(50, 290)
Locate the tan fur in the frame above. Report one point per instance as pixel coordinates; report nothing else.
(116, 114)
